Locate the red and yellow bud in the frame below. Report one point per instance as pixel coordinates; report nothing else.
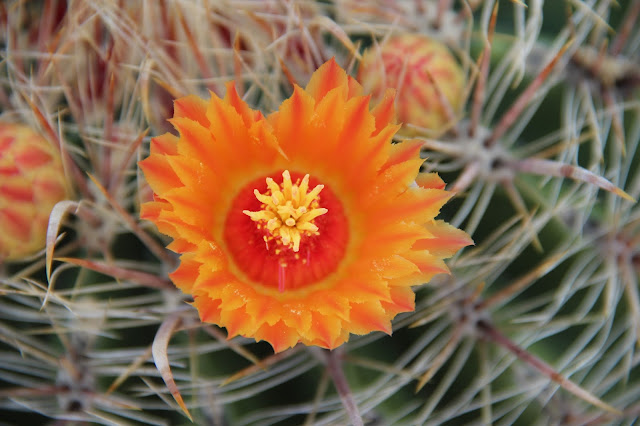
(32, 181)
(427, 79)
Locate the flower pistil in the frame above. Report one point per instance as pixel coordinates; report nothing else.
(288, 211)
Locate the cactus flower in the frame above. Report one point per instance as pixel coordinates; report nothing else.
(412, 64)
(303, 226)
(32, 181)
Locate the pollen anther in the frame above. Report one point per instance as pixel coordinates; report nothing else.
(289, 210)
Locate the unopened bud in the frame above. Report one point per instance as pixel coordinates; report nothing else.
(411, 64)
(32, 181)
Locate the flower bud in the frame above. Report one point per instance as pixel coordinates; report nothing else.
(412, 63)
(32, 181)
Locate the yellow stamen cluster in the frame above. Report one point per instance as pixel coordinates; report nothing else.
(288, 210)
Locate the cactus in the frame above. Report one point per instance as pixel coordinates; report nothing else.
(537, 323)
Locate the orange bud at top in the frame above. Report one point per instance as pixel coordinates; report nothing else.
(412, 64)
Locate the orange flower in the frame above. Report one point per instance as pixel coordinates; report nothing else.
(304, 226)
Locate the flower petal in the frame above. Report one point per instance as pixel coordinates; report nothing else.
(446, 240)
(328, 77)
(192, 107)
(385, 112)
(366, 317)
(430, 181)
(279, 335)
(248, 115)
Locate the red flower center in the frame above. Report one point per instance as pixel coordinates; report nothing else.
(286, 231)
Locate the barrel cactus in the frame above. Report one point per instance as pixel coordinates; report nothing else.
(319, 212)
